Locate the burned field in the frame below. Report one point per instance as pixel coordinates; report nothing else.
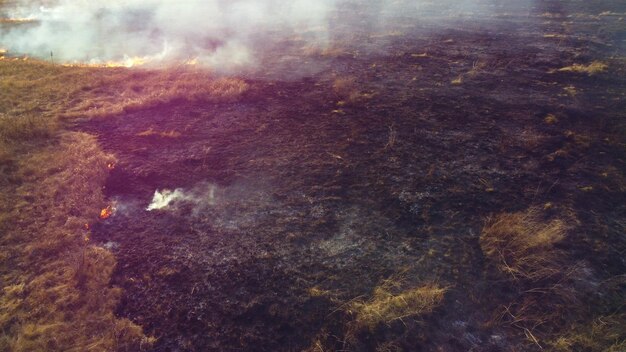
(410, 187)
(306, 194)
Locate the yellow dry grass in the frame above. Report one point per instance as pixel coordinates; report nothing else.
(388, 305)
(56, 294)
(544, 279)
(522, 244)
(550, 119)
(605, 333)
(344, 86)
(591, 69)
(345, 89)
(34, 88)
(164, 134)
(55, 286)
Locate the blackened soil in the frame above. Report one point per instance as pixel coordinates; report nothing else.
(302, 187)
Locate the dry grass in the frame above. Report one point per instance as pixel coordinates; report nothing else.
(550, 119)
(55, 285)
(389, 304)
(347, 93)
(56, 294)
(591, 69)
(164, 134)
(35, 95)
(344, 86)
(33, 88)
(522, 244)
(606, 334)
(545, 283)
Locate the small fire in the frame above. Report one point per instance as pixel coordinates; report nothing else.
(110, 166)
(192, 62)
(126, 62)
(7, 58)
(106, 213)
(87, 227)
(17, 20)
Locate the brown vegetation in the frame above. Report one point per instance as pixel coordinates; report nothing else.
(345, 89)
(34, 88)
(591, 69)
(164, 134)
(522, 244)
(547, 283)
(606, 333)
(56, 294)
(387, 306)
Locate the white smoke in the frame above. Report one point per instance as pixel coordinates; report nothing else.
(217, 33)
(224, 35)
(166, 198)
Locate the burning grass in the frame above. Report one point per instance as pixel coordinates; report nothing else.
(56, 294)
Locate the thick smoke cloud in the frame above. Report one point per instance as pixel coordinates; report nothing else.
(225, 35)
(213, 32)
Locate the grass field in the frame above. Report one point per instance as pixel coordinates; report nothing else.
(56, 294)
(411, 188)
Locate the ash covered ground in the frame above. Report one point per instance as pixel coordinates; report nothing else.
(379, 155)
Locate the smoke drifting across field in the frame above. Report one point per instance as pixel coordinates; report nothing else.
(223, 35)
(214, 32)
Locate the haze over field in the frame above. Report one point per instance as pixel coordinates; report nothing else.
(225, 35)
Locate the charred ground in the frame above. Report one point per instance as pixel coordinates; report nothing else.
(385, 159)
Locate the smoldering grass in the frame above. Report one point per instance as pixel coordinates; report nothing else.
(60, 298)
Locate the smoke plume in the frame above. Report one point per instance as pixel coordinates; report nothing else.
(216, 33)
(225, 35)
(202, 195)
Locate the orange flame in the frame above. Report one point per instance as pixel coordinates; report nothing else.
(106, 213)
(192, 62)
(87, 227)
(17, 20)
(127, 62)
(110, 166)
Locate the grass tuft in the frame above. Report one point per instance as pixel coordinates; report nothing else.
(593, 68)
(522, 245)
(605, 333)
(387, 306)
